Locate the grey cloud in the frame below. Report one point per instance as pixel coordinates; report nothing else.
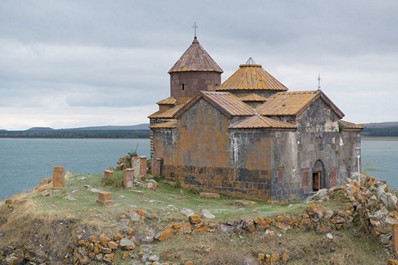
(114, 54)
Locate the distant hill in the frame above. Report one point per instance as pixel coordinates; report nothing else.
(40, 129)
(382, 129)
(382, 124)
(144, 126)
(133, 131)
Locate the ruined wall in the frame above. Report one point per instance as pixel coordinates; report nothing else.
(187, 84)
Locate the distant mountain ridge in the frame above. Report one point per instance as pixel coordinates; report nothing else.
(381, 129)
(143, 126)
(382, 124)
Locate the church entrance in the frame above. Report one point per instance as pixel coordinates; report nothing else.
(318, 176)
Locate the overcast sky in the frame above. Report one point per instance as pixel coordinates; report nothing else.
(67, 64)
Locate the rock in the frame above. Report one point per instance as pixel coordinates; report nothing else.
(282, 226)
(112, 245)
(270, 233)
(274, 258)
(163, 235)
(127, 244)
(104, 240)
(152, 186)
(209, 195)
(117, 237)
(328, 214)
(45, 193)
(207, 214)
(154, 258)
(329, 235)
(141, 212)
(285, 257)
(385, 239)
(321, 195)
(187, 212)
(194, 219)
(109, 257)
(134, 216)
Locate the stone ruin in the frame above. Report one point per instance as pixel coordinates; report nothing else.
(138, 163)
(58, 177)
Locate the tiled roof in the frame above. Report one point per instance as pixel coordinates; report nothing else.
(167, 101)
(165, 125)
(253, 98)
(293, 103)
(260, 122)
(229, 103)
(167, 114)
(351, 126)
(251, 77)
(195, 59)
(226, 102)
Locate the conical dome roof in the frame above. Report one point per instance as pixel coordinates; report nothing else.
(195, 59)
(251, 76)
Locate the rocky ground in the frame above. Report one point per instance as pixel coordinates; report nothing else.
(155, 223)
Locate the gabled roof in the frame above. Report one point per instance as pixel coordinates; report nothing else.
(351, 126)
(166, 114)
(167, 101)
(294, 103)
(253, 98)
(165, 125)
(251, 77)
(195, 59)
(260, 122)
(229, 104)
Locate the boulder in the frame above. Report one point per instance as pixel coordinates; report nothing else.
(187, 212)
(206, 214)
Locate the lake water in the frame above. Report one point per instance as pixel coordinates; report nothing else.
(23, 162)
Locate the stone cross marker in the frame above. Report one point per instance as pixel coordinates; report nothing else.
(138, 163)
(128, 177)
(108, 175)
(105, 198)
(59, 177)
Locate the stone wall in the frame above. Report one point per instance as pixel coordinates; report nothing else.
(188, 84)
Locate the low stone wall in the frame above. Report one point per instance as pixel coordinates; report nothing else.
(372, 203)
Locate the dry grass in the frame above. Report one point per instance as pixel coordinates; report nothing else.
(56, 220)
(229, 248)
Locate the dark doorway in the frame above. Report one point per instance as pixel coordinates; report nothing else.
(318, 176)
(316, 181)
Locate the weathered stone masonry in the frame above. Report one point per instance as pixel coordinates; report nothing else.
(249, 137)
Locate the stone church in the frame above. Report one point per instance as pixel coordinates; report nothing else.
(248, 136)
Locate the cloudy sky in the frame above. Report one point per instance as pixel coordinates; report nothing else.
(81, 63)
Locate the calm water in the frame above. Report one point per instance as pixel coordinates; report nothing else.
(23, 162)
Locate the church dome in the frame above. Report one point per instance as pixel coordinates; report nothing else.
(251, 76)
(195, 59)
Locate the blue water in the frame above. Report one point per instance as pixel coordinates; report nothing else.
(380, 159)
(23, 162)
